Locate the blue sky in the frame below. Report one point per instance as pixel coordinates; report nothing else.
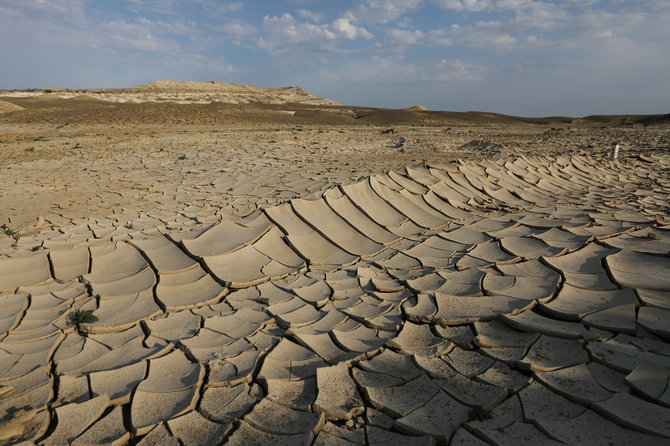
(521, 57)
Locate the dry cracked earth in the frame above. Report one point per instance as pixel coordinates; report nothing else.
(518, 301)
(205, 273)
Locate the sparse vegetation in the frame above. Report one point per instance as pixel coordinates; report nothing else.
(181, 157)
(129, 225)
(263, 300)
(8, 231)
(80, 317)
(441, 322)
(30, 149)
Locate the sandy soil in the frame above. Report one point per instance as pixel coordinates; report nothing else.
(304, 273)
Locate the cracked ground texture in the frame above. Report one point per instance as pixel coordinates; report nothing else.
(514, 301)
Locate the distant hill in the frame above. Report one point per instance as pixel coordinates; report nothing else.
(417, 108)
(220, 103)
(232, 93)
(186, 92)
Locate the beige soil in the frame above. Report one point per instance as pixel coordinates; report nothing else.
(227, 271)
(51, 143)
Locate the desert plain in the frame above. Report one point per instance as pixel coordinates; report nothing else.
(187, 263)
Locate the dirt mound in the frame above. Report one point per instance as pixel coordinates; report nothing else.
(417, 108)
(8, 107)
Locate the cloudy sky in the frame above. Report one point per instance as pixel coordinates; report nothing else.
(521, 57)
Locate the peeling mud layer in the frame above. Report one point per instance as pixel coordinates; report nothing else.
(335, 284)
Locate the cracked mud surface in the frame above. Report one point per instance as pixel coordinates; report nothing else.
(204, 273)
(504, 301)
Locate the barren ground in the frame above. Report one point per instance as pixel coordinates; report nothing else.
(62, 157)
(307, 273)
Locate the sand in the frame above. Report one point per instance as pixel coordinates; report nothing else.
(258, 282)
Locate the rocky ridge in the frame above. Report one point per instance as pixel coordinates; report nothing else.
(187, 92)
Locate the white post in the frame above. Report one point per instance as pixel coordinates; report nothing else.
(615, 150)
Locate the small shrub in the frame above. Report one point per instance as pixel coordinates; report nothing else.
(129, 225)
(82, 317)
(181, 157)
(263, 300)
(441, 322)
(30, 149)
(8, 231)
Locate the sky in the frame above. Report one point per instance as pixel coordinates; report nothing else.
(518, 57)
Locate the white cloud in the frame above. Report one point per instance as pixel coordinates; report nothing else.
(535, 13)
(504, 41)
(286, 28)
(627, 37)
(310, 15)
(60, 34)
(238, 30)
(381, 11)
(163, 7)
(606, 34)
(466, 5)
(176, 28)
(123, 36)
(61, 11)
(177, 8)
(350, 31)
(519, 32)
(220, 8)
(458, 70)
(398, 70)
(64, 24)
(281, 31)
(486, 35)
(405, 36)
